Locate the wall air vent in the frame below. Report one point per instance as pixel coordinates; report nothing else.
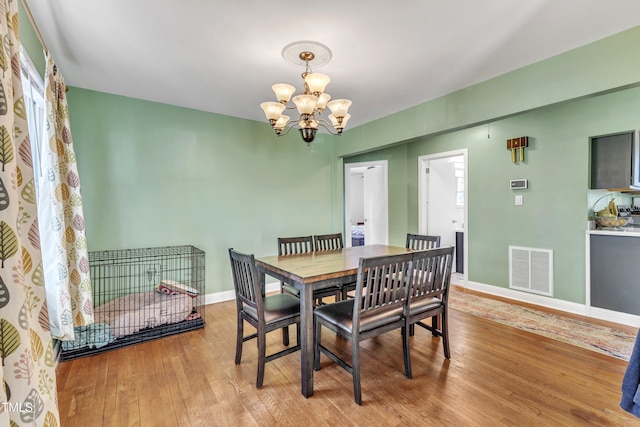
(531, 270)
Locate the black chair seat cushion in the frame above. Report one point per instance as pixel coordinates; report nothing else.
(341, 315)
(425, 304)
(276, 307)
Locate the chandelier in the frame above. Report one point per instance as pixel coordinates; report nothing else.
(313, 101)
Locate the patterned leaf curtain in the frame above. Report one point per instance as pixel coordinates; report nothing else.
(64, 246)
(28, 395)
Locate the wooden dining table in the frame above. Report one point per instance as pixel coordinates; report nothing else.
(317, 270)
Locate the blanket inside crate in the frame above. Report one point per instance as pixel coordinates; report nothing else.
(131, 313)
(95, 335)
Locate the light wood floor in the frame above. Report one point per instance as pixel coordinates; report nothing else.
(497, 375)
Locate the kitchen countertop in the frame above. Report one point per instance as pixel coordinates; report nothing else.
(627, 232)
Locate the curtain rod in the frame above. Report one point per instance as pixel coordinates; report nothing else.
(34, 25)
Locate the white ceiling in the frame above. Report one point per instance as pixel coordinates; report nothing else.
(223, 57)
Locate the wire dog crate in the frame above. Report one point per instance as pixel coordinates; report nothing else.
(141, 295)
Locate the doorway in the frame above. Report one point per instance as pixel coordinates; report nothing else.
(366, 203)
(442, 201)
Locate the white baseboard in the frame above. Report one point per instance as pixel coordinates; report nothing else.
(544, 301)
(615, 316)
(556, 304)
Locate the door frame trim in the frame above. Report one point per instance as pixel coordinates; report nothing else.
(347, 194)
(423, 197)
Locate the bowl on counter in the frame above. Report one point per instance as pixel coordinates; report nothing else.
(612, 222)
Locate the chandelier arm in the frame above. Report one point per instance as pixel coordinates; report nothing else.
(286, 129)
(328, 126)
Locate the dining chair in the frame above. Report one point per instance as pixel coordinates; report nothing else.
(328, 242)
(301, 245)
(381, 282)
(428, 297)
(333, 242)
(422, 241)
(265, 314)
(291, 246)
(295, 245)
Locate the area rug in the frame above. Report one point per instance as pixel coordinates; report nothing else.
(602, 339)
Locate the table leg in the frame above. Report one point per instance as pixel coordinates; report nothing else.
(306, 337)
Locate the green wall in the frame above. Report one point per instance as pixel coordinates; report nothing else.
(607, 64)
(558, 103)
(157, 175)
(555, 209)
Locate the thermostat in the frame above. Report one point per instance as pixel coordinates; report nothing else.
(518, 184)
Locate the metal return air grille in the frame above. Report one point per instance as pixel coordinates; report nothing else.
(531, 270)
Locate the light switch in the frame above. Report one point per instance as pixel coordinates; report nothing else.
(518, 199)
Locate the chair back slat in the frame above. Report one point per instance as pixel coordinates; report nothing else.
(328, 242)
(382, 284)
(245, 279)
(431, 273)
(421, 242)
(295, 245)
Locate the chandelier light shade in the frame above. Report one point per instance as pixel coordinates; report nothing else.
(313, 100)
(322, 101)
(339, 124)
(339, 107)
(283, 92)
(305, 103)
(281, 123)
(316, 82)
(273, 110)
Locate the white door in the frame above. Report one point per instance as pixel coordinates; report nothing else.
(376, 204)
(444, 216)
(442, 197)
(368, 201)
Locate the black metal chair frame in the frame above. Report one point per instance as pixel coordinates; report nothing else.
(428, 297)
(382, 284)
(251, 307)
